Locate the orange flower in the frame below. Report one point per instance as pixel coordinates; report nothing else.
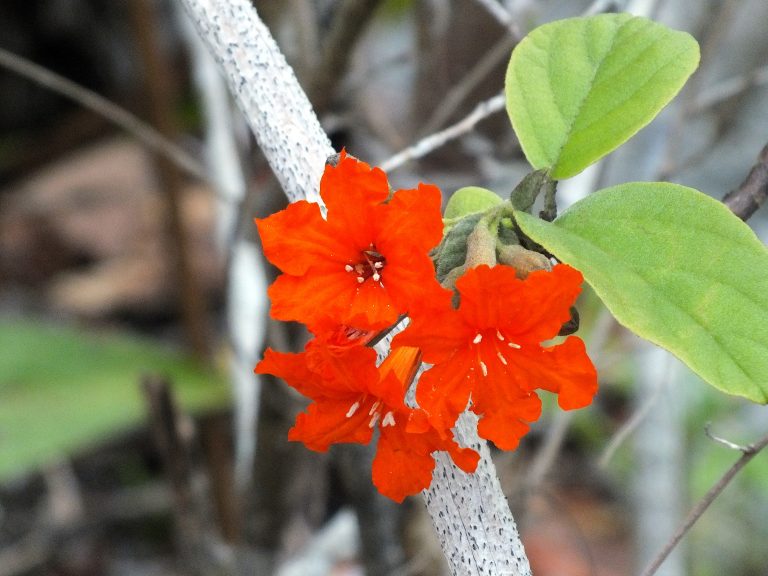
(351, 397)
(490, 349)
(362, 266)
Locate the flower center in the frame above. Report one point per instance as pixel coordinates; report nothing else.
(495, 344)
(370, 265)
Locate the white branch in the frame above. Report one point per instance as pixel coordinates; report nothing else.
(266, 90)
(470, 512)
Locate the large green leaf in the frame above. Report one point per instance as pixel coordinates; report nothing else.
(63, 389)
(577, 89)
(677, 268)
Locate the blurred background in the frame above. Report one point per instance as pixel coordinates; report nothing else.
(134, 438)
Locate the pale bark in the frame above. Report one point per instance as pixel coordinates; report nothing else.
(470, 513)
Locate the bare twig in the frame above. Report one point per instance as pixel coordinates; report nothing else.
(723, 441)
(747, 198)
(502, 16)
(730, 88)
(459, 92)
(434, 141)
(600, 6)
(630, 426)
(749, 452)
(350, 21)
(159, 98)
(142, 131)
(174, 432)
(548, 453)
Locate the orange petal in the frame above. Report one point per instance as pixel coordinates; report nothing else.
(573, 378)
(504, 424)
(530, 310)
(351, 184)
(398, 469)
(297, 239)
(332, 422)
(412, 215)
(443, 390)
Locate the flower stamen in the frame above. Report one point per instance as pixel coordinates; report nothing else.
(389, 420)
(353, 409)
(483, 367)
(478, 339)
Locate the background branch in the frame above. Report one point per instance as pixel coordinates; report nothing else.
(140, 130)
(749, 452)
(747, 198)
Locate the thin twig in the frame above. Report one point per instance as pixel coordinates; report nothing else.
(459, 92)
(159, 102)
(729, 88)
(434, 141)
(629, 427)
(350, 21)
(723, 441)
(142, 131)
(747, 198)
(749, 452)
(548, 453)
(502, 16)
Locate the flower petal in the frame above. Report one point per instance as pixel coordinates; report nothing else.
(506, 423)
(399, 470)
(349, 187)
(297, 238)
(572, 376)
(327, 422)
(415, 215)
(530, 310)
(443, 390)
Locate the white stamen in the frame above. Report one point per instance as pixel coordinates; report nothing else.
(499, 335)
(376, 276)
(374, 407)
(348, 268)
(378, 265)
(501, 358)
(477, 339)
(484, 368)
(360, 279)
(513, 345)
(389, 420)
(353, 409)
(373, 421)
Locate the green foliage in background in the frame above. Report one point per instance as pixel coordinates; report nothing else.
(63, 389)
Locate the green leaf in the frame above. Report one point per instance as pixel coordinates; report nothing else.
(469, 200)
(62, 390)
(678, 268)
(577, 89)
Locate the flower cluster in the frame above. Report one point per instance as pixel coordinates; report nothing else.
(366, 264)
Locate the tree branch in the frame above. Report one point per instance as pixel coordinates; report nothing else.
(434, 141)
(266, 90)
(749, 452)
(470, 512)
(747, 198)
(142, 131)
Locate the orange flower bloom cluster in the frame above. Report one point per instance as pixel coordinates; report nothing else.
(366, 264)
